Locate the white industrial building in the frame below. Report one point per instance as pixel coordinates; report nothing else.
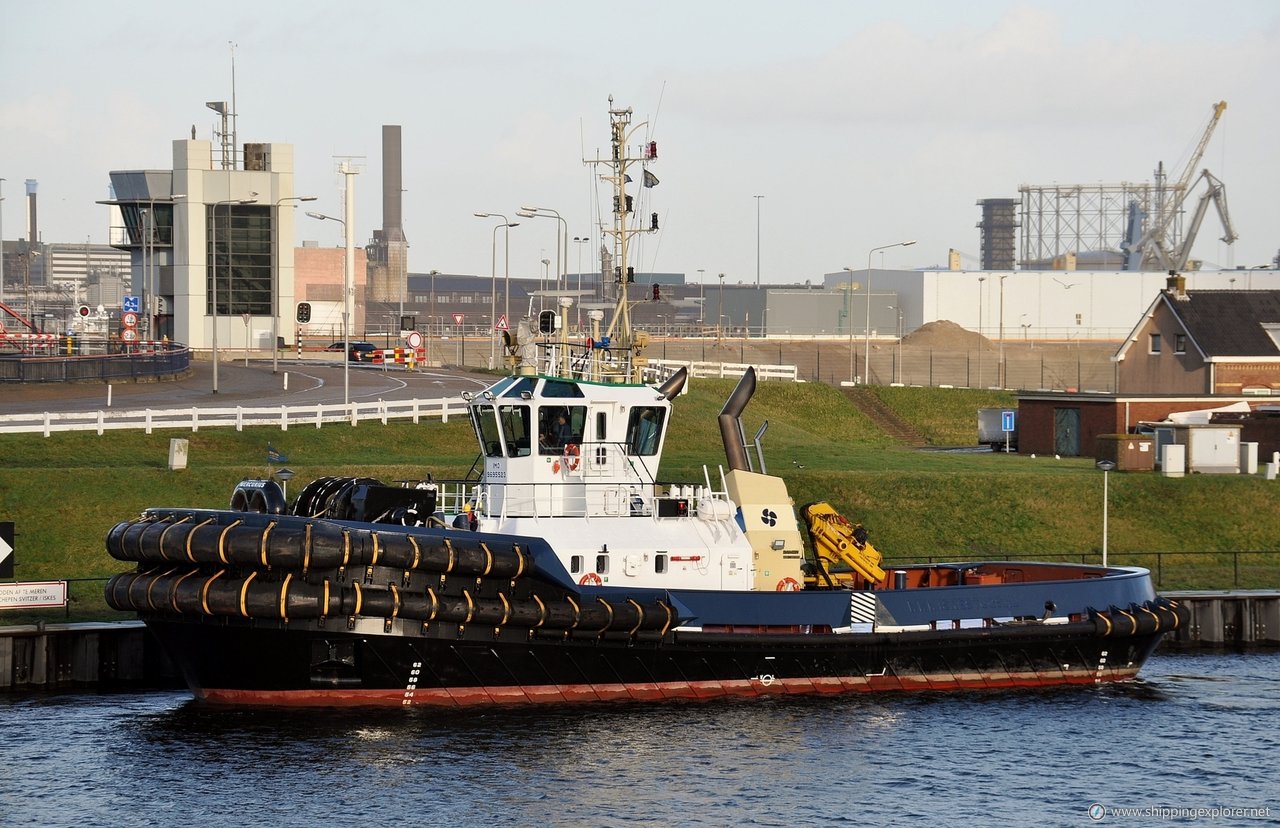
(1057, 305)
(211, 227)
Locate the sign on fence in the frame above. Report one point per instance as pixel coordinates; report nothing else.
(33, 595)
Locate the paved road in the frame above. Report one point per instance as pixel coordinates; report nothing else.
(310, 381)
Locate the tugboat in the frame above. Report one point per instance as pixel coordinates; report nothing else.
(563, 570)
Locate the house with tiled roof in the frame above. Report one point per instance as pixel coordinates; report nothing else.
(1190, 351)
(1216, 342)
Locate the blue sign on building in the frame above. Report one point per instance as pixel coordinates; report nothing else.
(132, 305)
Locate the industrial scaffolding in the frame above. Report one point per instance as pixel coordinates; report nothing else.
(1059, 219)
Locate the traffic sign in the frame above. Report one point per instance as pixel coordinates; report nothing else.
(129, 319)
(131, 303)
(6, 549)
(1006, 421)
(502, 323)
(129, 335)
(414, 339)
(457, 319)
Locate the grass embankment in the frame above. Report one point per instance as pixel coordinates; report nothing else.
(943, 416)
(65, 491)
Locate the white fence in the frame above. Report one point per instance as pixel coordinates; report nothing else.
(720, 370)
(194, 419)
(284, 416)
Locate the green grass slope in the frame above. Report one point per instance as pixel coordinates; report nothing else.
(64, 492)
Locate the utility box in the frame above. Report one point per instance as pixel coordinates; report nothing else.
(1130, 452)
(177, 453)
(1173, 460)
(1212, 448)
(1248, 458)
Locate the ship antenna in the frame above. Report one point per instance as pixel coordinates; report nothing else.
(619, 331)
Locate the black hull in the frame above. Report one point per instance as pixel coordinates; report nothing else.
(293, 611)
(254, 662)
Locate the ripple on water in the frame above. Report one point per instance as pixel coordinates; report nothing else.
(1189, 733)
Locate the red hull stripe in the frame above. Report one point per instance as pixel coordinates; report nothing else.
(573, 693)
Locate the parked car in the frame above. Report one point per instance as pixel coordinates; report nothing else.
(360, 351)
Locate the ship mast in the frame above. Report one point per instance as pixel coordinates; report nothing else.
(619, 332)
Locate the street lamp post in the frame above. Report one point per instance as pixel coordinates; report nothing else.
(720, 308)
(149, 286)
(898, 373)
(348, 272)
(702, 300)
(213, 236)
(546, 264)
(866, 370)
(346, 314)
(1000, 373)
(547, 212)
(493, 279)
(275, 280)
(1106, 466)
(402, 280)
(506, 246)
(848, 317)
(757, 198)
(981, 279)
(432, 315)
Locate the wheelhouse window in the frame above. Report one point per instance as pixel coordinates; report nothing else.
(498, 387)
(486, 426)
(559, 426)
(644, 430)
(559, 388)
(1155, 344)
(515, 429)
(521, 387)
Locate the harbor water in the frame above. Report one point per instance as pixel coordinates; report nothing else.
(1197, 733)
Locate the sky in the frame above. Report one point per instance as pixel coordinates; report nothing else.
(860, 123)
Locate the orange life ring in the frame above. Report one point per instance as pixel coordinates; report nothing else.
(571, 456)
(788, 585)
(590, 579)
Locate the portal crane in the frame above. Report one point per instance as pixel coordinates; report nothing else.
(1217, 193)
(1150, 251)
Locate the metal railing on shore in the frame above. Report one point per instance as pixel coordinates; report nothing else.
(90, 361)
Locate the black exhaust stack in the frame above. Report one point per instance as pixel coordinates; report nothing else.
(735, 443)
(674, 384)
